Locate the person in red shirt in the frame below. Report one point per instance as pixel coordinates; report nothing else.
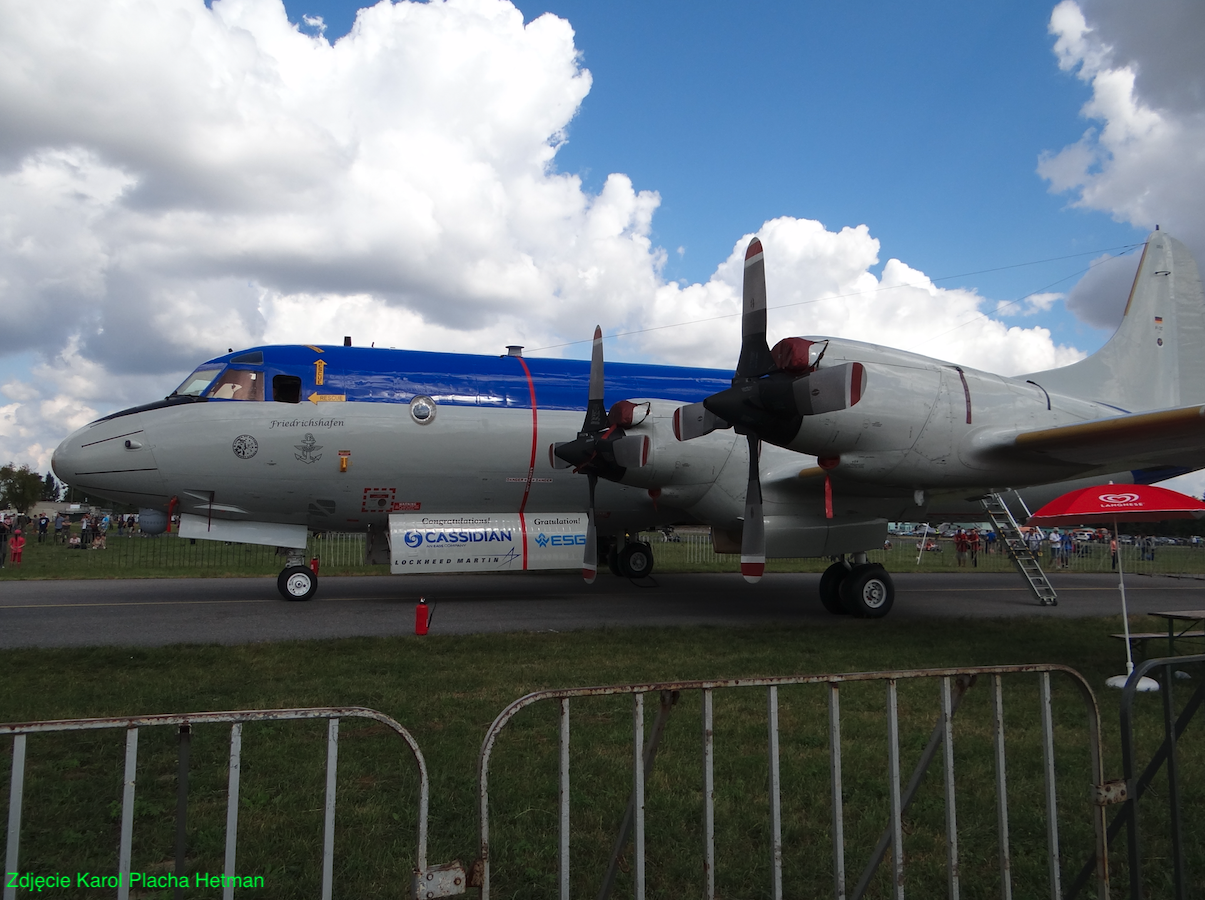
(16, 546)
(974, 543)
(961, 545)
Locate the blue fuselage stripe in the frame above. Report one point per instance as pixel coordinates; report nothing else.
(364, 375)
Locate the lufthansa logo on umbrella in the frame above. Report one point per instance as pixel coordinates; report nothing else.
(1118, 498)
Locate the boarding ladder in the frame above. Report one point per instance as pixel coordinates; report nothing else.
(1018, 550)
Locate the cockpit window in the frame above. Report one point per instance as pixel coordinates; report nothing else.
(196, 383)
(237, 384)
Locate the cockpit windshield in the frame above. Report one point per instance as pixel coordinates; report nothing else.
(196, 383)
(237, 384)
(218, 383)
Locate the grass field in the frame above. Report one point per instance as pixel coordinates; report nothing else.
(448, 689)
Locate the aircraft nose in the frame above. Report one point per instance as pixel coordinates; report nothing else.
(66, 459)
(113, 458)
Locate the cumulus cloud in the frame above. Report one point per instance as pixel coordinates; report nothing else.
(1142, 159)
(1030, 305)
(1099, 298)
(1160, 40)
(177, 179)
(818, 282)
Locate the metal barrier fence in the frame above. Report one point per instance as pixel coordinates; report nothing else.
(336, 550)
(694, 548)
(436, 881)
(1166, 757)
(683, 550)
(953, 686)
(954, 683)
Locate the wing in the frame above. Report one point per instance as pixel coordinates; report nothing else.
(1166, 437)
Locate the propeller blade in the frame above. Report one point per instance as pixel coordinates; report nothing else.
(753, 535)
(596, 410)
(829, 390)
(631, 451)
(695, 420)
(755, 359)
(590, 554)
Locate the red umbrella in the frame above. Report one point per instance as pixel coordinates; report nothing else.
(1119, 503)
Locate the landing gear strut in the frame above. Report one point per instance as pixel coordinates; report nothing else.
(297, 581)
(861, 589)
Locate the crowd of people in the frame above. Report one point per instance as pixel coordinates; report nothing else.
(1060, 546)
(92, 533)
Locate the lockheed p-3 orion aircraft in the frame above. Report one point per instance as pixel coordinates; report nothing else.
(456, 462)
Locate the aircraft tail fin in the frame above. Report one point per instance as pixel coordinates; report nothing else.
(1156, 359)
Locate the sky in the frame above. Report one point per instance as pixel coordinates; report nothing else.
(969, 181)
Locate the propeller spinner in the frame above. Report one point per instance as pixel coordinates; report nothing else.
(602, 449)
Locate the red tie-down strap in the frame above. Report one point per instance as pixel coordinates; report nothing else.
(828, 463)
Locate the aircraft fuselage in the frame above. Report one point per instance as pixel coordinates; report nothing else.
(335, 438)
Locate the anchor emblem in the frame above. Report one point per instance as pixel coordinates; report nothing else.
(308, 446)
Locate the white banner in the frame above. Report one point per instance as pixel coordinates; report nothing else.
(482, 542)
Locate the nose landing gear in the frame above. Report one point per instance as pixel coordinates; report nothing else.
(297, 581)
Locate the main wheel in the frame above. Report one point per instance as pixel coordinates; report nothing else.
(830, 587)
(635, 560)
(868, 591)
(608, 555)
(297, 583)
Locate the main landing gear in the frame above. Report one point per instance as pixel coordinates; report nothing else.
(298, 581)
(858, 588)
(632, 559)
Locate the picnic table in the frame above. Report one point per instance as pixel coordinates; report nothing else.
(1182, 624)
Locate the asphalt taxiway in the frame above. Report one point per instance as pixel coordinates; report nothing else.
(157, 612)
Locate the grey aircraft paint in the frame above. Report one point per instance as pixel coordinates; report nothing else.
(913, 429)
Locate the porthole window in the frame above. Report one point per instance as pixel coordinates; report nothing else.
(422, 409)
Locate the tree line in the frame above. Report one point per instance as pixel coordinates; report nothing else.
(21, 487)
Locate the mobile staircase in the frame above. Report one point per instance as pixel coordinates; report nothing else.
(1018, 550)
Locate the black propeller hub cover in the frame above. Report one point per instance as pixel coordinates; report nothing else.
(593, 454)
(765, 407)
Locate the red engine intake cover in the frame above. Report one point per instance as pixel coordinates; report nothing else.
(791, 354)
(623, 413)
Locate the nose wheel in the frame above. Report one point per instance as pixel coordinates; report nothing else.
(297, 583)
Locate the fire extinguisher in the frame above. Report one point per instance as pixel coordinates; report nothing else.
(422, 618)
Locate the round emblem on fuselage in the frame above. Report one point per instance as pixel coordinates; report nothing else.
(422, 409)
(245, 446)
